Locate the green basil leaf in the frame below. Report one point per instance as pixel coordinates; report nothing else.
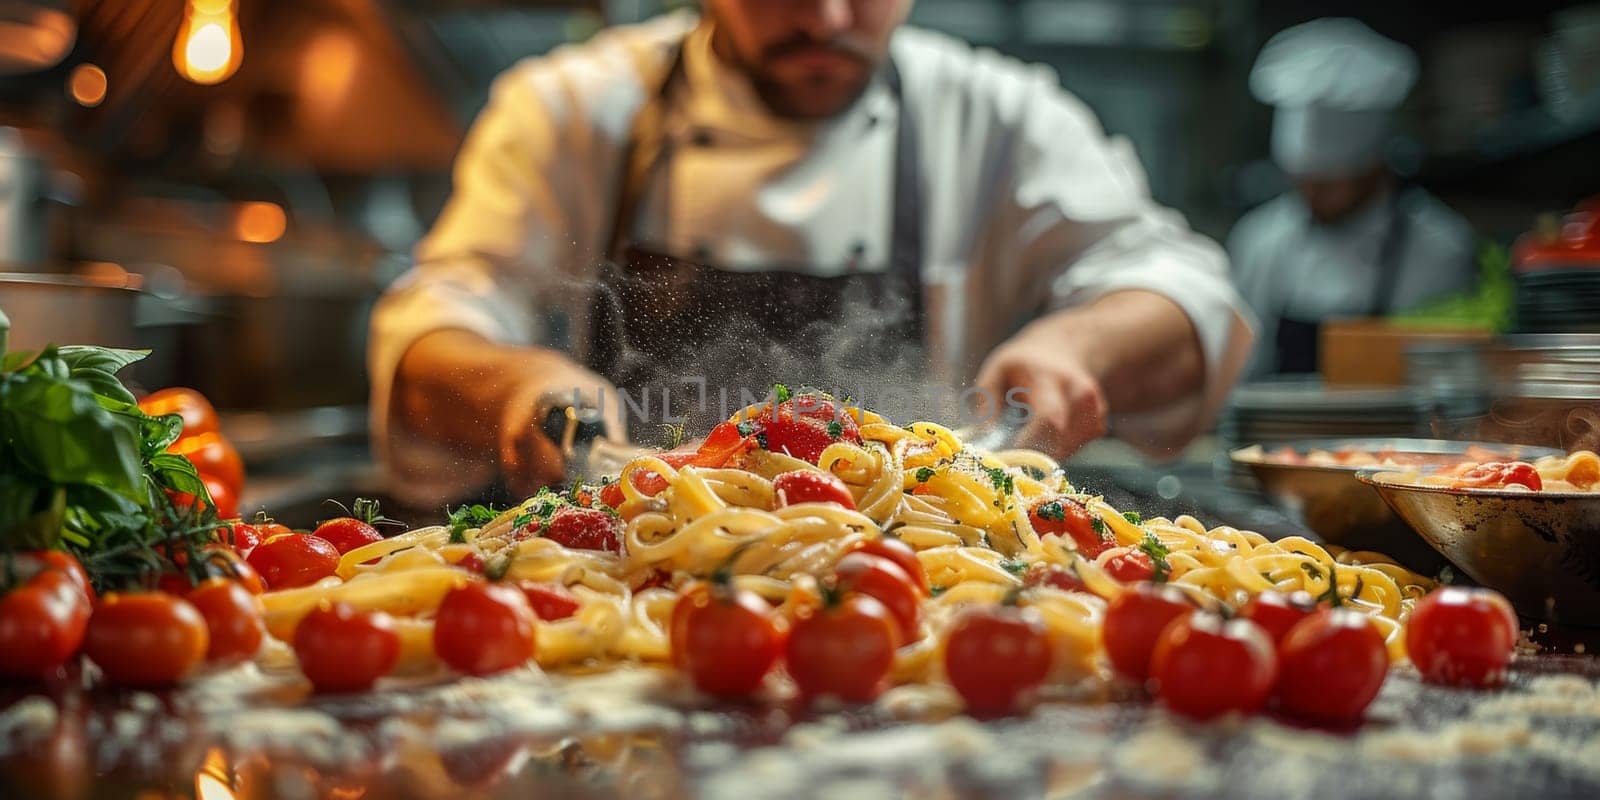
(59, 432)
(107, 387)
(175, 472)
(105, 359)
(41, 528)
(19, 498)
(16, 361)
(158, 433)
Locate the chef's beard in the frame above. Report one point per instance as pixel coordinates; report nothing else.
(811, 97)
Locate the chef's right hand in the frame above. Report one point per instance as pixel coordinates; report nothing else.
(528, 459)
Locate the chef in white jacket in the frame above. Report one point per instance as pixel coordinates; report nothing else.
(809, 179)
(1349, 240)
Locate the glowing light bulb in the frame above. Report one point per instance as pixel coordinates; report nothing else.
(208, 48)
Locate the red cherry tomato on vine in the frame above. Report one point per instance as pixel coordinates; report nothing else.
(1128, 564)
(1462, 637)
(42, 624)
(898, 552)
(146, 640)
(484, 628)
(347, 533)
(996, 657)
(1205, 666)
(811, 486)
(342, 649)
(1277, 612)
(1134, 621)
(1330, 666)
(199, 416)
(882, 579)
(297, 559)
(213, 455)
(844, 650)
(234, 619)
(241, 536)
(729, 641)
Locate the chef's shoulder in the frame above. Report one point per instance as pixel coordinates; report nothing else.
(1265, 229)
(981, 90)
(602, 81)
(1438, 228)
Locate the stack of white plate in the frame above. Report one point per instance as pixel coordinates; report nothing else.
(1280, 411)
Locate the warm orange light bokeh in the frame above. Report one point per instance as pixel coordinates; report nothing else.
(208, 48)
(87, 85)
(260, 222)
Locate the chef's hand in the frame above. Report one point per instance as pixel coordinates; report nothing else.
(528, 458)
(1065, 402)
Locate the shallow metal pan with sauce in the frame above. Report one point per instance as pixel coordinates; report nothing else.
(1540, 549)
(1331, 502)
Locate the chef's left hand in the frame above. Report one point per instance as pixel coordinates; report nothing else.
(1066, 403)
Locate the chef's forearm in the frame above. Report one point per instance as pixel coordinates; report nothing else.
(452, 387)
(1138, 344)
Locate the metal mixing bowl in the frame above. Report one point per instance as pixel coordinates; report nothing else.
(1540, 549)
(1330, 501)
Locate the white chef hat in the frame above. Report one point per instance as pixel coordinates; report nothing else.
(1334, 85)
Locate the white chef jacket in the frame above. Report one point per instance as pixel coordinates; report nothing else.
(1288, 265)
(1028, 205)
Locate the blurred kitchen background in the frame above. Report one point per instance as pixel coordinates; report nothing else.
(262, 168)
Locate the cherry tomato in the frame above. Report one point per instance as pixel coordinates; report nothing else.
(723, 445)
(1134, 622)
(25, 566)
(268, 529)
(198, 414)
(898, 552)
(342, 649)
(42, 624)
(484, 628)
(805, 426)
(1128, 564)
(1277, 612)
(549, 601)
(996, 657)
(696, 593)
(242, 537)
(213, 455)
(1053, 575)
(1462, 637)
(729, 641)
(883, 580)
(811, 486)
(611, 494)
(585, 529)
(219, 561)
(234, 619)
(1064, 516)
(1330, 666)
(1205, 666)
(296, 559)
(472, 562)
(146, 640)
(1496, 474)
(224, 497)
(347, 533)
(843, 650)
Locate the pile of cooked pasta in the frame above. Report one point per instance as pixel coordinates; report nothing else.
(966, 513)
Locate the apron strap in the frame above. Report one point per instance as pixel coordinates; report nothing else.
(647, 142)
(1390, 254)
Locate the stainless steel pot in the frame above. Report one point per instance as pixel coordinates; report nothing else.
(57, 309)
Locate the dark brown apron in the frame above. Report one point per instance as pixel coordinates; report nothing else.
(658, 321)
(1300, 341)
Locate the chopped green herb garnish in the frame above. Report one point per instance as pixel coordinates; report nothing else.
(1134, 517)
(523, 520)
(937, 590)
(1014, 567)
(1052, 511)
(468, 517)
(1158, 553)
(780, 392)
(1002, 480)
(1034, 472)
(761, 441)
(746, 428)
(1098, 525)
(923, 474)
(835, 430)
